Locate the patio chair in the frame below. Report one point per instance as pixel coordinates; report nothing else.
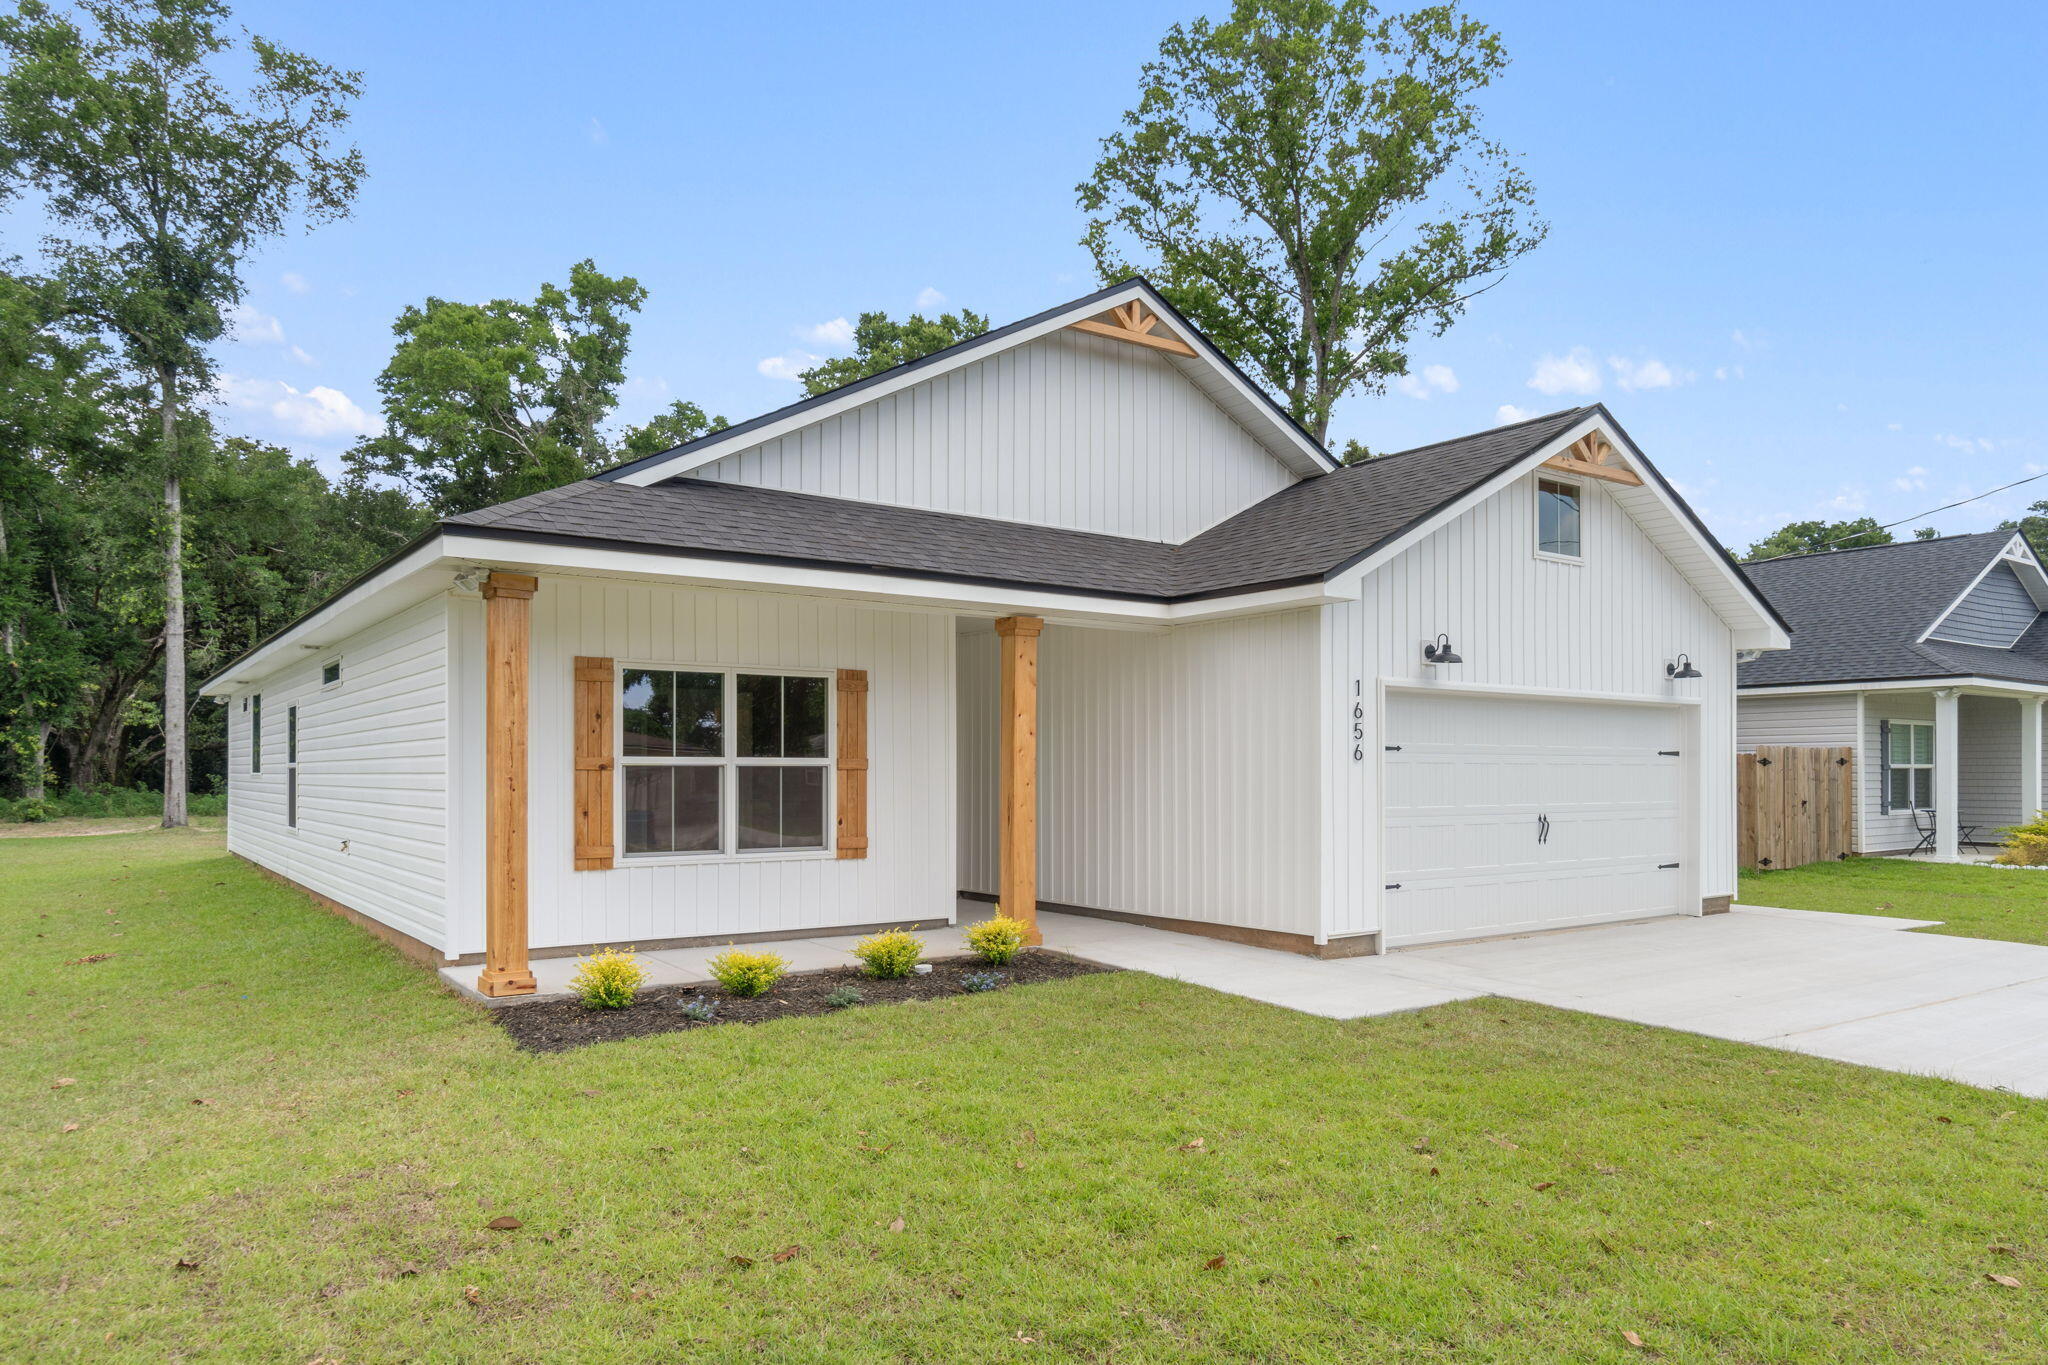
(1923, 825)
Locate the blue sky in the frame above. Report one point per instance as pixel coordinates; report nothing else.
(1796, 248)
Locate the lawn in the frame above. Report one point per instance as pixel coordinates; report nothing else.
(284, 1143)
(1971, 901)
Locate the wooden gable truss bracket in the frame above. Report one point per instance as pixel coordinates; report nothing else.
(1134, 322)
(1592, 456)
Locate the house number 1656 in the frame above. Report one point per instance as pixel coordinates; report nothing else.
(1357, 721)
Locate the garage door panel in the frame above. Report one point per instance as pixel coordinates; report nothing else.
(1467, 778)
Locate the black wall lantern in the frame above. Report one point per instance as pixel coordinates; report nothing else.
(1681, 669)
(1440, 652)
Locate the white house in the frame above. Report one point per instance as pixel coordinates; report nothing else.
(1070, 614)
(1930, 659)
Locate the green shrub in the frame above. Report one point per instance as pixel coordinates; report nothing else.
(891, 954)
(844, 998)
(104, 803)
(702, 1010)
(2025, 845)
(977, 982)
(747, 974)
(997, 939)
(607, 979)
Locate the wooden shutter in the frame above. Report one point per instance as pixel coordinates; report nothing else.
(594, 689)
(853, 763)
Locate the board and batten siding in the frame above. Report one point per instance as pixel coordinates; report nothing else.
(909, 871)
(1070, 430)
(1811, 718)
(1176, 769)
(1607, 625)
(1996, 612)
(373, 830)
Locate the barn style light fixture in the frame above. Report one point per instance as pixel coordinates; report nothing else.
(1681, 668)
(1440, 652)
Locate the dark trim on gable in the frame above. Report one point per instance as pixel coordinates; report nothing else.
(1161, 306)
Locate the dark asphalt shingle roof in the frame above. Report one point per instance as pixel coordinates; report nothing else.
(1855, 615)
(1300, 534)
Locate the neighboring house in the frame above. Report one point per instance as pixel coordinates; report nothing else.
(1930, 657)
(1072, 614)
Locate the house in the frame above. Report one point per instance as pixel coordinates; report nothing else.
(1930, 659)
(1068, 614)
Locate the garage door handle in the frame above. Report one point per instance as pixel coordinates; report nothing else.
(1393, 886)
(1666, 867)
(1542, 829)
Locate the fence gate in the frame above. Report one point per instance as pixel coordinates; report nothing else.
(1795, 804)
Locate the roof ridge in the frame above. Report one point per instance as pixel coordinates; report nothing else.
(1885, 545)
(1468, 436)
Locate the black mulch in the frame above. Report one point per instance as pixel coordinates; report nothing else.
(558, 1025)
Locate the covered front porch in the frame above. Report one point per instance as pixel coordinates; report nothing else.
(1947, 768)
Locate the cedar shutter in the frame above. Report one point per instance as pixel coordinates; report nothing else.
(853, 763)
(591, 723)
(1884, 767)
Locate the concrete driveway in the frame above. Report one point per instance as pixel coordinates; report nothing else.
(1852, 987)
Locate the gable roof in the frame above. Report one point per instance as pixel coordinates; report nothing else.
(1861, 615)
(1210, 370)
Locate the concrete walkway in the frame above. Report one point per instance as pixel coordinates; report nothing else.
(1851, 987)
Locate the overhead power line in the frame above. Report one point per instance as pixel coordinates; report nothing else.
(1945, 507)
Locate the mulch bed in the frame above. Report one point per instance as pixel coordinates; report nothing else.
(558, 1025)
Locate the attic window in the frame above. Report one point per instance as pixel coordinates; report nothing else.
(330, 673)
(1557, 519)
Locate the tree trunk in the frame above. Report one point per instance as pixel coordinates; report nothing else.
(32, 785)
(174, 609)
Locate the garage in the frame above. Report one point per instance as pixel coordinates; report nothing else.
(1510, 814)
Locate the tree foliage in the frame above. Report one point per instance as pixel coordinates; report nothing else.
(881, 343)
(1308, 181)
(1810, 537)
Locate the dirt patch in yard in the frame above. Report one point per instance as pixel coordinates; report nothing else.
(558, 1025)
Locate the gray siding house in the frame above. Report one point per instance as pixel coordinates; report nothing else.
(1930, 657)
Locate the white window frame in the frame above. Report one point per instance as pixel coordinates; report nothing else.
(1893, 765)
(333, 662)
(1536, 518)
(728, 850)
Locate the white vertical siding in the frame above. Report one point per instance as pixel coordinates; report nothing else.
(1884, 832)
(1177, 769)
(1607, 625)
(1807, 718)
(373, 792)
(1070, 430)
(909, 871)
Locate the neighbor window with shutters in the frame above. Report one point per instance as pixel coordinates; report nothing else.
(1911, 766)
(723, 761)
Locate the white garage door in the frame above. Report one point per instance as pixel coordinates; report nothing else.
(1506, 815)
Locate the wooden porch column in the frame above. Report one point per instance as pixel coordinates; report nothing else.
(1017, 799)
(2030, 758)
(508, 602)
(1947, 731)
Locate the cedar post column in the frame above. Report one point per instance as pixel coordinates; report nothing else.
(1017, 801)
(508, 632)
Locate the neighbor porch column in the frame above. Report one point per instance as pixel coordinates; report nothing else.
(508, 634)
(2030, 758)
(1947, 732)
(1017, 800)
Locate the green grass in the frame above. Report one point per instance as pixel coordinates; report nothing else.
(1373, 1186)
(1971, 901)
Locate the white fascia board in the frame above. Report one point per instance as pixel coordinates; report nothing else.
(1286, 441)
(1974, 685)
(1761, 632)
(2020, 557)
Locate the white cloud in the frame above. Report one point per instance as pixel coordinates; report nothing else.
(316, 412)
(790, 365)
(1646, 374)
(837, 332)
(1968, 445)
(1432, 379)
(1893, 426)
(1574, 372)
(295, 282)
(1508, 412)
(596, 131)
(252, 326)
(1913, 480)
(300, 356)
(929, 297)
(1727, 372)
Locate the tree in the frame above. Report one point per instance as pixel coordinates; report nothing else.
(2033, 524)
(1308, 182)
(881, 344)
(1810, 537)
(159, 180)
(485, 402)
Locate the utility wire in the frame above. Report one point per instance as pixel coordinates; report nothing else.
(1945, 507)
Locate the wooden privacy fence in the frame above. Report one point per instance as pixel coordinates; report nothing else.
(1795, 804)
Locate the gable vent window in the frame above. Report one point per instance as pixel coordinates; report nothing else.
(330, 673)
(1557, 519)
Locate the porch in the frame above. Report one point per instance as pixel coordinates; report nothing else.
(1947, 768)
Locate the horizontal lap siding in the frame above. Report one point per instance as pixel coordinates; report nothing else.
(1607, 625)
(1818, 718)
(1071, 430)
(1884, 832)
(909, 871)
(373, 788)
(1996, 613)
(1176, 770)
(1988, 776)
